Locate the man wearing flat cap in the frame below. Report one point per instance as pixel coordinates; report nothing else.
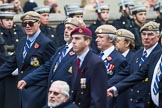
(71, 11)
(88, 72)
(32, 51)
(125, 44)
(59, 67)
(114, 61)
(44, 19)
(137, 94)
(145, 69)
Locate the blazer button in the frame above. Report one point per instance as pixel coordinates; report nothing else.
(131, 99)
(79, 103)
(138, 91)
(52, 36)
(131, 90)
(148, 102)
(72, 91)
(82, 93)
(22, 72)
(73, 102)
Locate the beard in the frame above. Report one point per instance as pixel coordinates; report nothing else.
(54, 104)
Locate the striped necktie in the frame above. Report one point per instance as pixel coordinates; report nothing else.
(143, 58)
(26, 48)
(157, 79)
(101, 54)
(62, 54)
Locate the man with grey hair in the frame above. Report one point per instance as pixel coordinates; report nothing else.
(114, 61)
(58, 96)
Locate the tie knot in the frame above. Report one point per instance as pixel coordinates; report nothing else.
(28, 42)
(101, 54)
(145, 53)
(78, 62)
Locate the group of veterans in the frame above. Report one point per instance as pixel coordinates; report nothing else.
(105, 65)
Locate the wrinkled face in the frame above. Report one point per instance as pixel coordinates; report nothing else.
(31, 26)
(7, 23)
(121, 44)
(102, 41)
(79, 43)
(140, 17)
(149, 38)
(68, 29)
(44, 18)
(55, 97)
(105, 15)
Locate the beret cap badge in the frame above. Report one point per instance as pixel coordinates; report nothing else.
(80, 30)
(100, 30)
(150, 27)
(118, 32)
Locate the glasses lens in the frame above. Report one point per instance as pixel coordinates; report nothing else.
(30, 23)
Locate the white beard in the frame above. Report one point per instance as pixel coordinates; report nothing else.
(54, 104)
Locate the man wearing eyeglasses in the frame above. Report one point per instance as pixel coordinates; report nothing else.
(138, 94)
(58, 96)
(32, 51)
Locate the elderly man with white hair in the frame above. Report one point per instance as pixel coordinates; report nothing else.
(58, 96)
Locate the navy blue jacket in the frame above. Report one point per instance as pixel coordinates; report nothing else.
(48, 71)
(41, 50)
(90, 93)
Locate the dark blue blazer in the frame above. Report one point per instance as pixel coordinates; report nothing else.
(119, 62)
(41, 50)
(138, 92)
(145, 71)
(90, 93)
(129, 56)
(50, 72)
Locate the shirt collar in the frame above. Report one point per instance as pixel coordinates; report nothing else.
(125, 53)
(32, 38)
(150, 49)
(107, 52)
(82, 56)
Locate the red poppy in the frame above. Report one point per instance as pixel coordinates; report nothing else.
(71, 53)
(36, 45)
(109, 58)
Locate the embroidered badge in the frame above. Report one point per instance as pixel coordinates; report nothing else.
(70, 70)
(35, 62)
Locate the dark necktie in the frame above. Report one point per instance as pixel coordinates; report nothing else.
(143, 58)
(26, 48)
(77, 64)
(157, 79)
